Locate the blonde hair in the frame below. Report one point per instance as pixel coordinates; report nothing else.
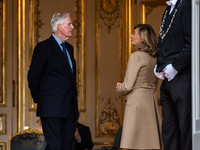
(149, 38)
(58, 18)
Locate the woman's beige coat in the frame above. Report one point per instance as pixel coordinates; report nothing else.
(142, 119)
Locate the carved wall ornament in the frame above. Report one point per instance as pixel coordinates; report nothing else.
(148, 9)
(109, 13)
(109, 6)
(38, 22)
(109, 119)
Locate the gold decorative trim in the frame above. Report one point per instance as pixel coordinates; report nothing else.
(127, 16)
(108, 124)
(20, 121)
(109, 12)
(83, 74)
(32, 106)
(3, 91)
(147, 6)
(38, 22)
(79, 24)
(3, 123)
(96, 67)
(2, 145)
(34, 36)
(109, 119)
(23, 65)
(143, 14)
(19, 78)
(128, 29)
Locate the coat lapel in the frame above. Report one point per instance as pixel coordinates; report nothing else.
(59, 53)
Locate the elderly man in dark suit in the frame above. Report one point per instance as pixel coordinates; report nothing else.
(174, 67)
(52, 82)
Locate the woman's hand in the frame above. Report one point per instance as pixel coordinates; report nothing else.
(118, 85)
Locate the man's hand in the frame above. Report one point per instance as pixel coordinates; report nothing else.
(170, 72)
(160, 75)
(77, 135)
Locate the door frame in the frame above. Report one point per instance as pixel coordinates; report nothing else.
(195, 76)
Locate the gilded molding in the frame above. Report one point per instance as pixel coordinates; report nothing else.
(3, 124)
(3, 66)
(79, 24)
(109, 13)
(23, 65)
(21, 77)
(34, 36)
(38, 22)
(148, 6)
(107, 116)
(128, 29)
(32, 106)
(2, 145)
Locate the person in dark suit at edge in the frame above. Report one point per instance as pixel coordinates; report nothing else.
(52, 82)
(174, 68)
(117, 140)
(83, 137)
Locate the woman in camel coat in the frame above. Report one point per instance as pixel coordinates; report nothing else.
(142, 120)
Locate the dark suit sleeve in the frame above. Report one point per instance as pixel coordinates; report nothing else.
(86, 138)
(37, 66)
(184, 61)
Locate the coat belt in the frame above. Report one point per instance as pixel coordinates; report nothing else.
(145, 85)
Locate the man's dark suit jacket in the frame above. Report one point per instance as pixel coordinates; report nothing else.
(176, 46)
(51, 81)
(86, 139)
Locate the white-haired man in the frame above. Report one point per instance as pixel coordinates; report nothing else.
(52, 82)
